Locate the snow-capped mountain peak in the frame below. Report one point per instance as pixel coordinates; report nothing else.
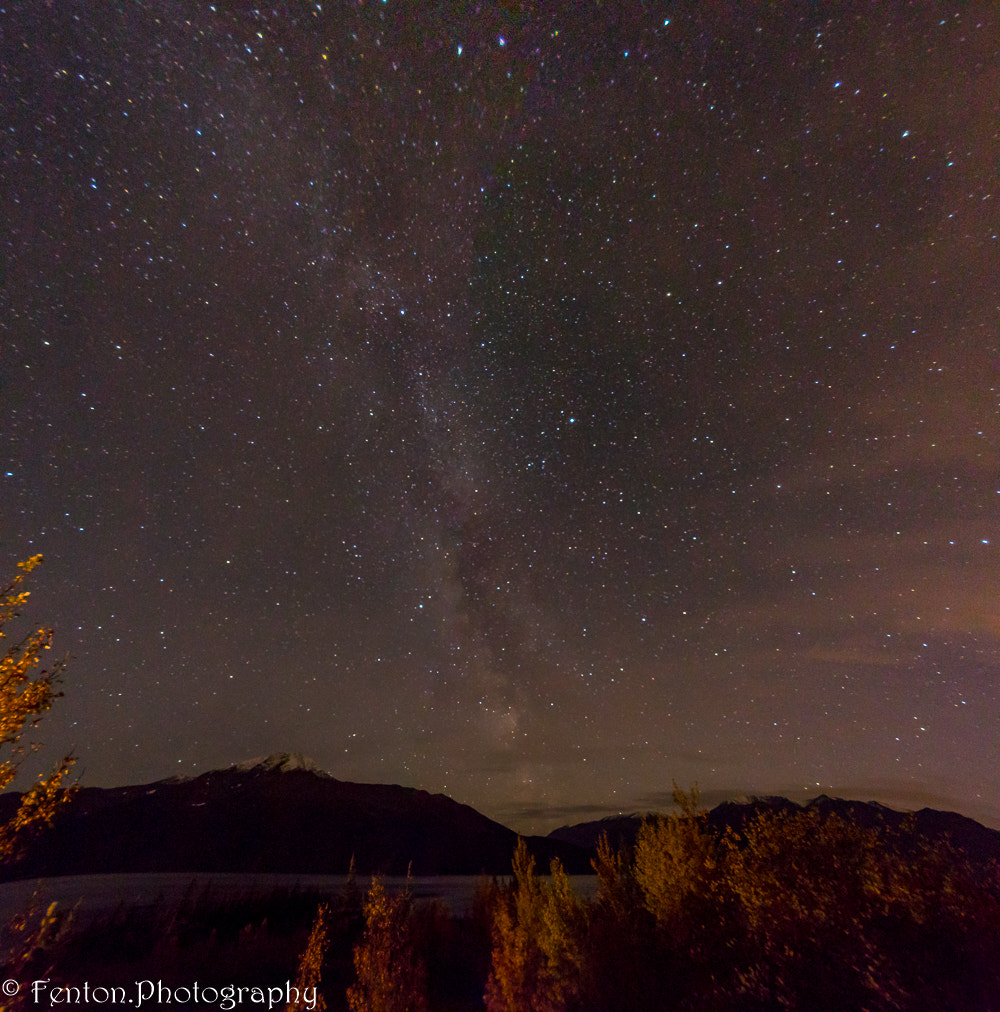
(278, 762)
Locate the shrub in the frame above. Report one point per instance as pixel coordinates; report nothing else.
(536, 962)
(390, 975)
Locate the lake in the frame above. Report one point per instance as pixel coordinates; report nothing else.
(96, 895)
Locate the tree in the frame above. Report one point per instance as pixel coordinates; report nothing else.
(536, 941)
(310, 975)
(623, 963)
(26, 693)
(391, 977)
(675, 864)
(829, 914)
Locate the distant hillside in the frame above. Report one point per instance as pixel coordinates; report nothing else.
(281, 814)
(276, 814)
(620, 830)
(974, 840)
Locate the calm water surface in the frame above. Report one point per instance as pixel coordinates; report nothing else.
(94, 895)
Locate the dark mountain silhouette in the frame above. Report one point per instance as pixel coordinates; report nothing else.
(281, 814)
(975, 841)
(620, 830)
(276, 814)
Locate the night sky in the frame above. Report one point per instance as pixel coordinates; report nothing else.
(537, 403)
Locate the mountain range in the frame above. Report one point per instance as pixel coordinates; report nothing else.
(282, 814)
(970, 838)
(279, 813)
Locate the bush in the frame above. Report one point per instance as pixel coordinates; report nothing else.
(390, 975)
(795, 910)
(536, 942)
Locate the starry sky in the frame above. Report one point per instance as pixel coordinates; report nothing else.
(533, 402)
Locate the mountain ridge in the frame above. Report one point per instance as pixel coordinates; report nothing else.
(278, 762)
(283, 813)
(971, 838)
(273, 814)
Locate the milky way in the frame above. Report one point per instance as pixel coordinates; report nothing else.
(538, 405)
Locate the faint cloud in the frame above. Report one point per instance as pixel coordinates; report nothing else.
(910, 797)
(663, 801)
(544, 818)
(852, 655)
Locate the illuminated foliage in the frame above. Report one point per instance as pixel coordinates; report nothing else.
(810, 896)
(789, 909)
(624, 968)
(675, 863)
(26, 693)
(536, 951)
(390, 977)
(25, 940)
(310, 973)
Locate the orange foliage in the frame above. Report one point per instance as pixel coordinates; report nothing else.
(26, 693)
(793, 910)
(536, 947)
(310, 972)
(675, 865)
(390, 975)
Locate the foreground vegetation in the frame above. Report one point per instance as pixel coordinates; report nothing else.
(27, 691)
(795, 910)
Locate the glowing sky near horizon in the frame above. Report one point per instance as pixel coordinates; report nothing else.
(536, 406)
